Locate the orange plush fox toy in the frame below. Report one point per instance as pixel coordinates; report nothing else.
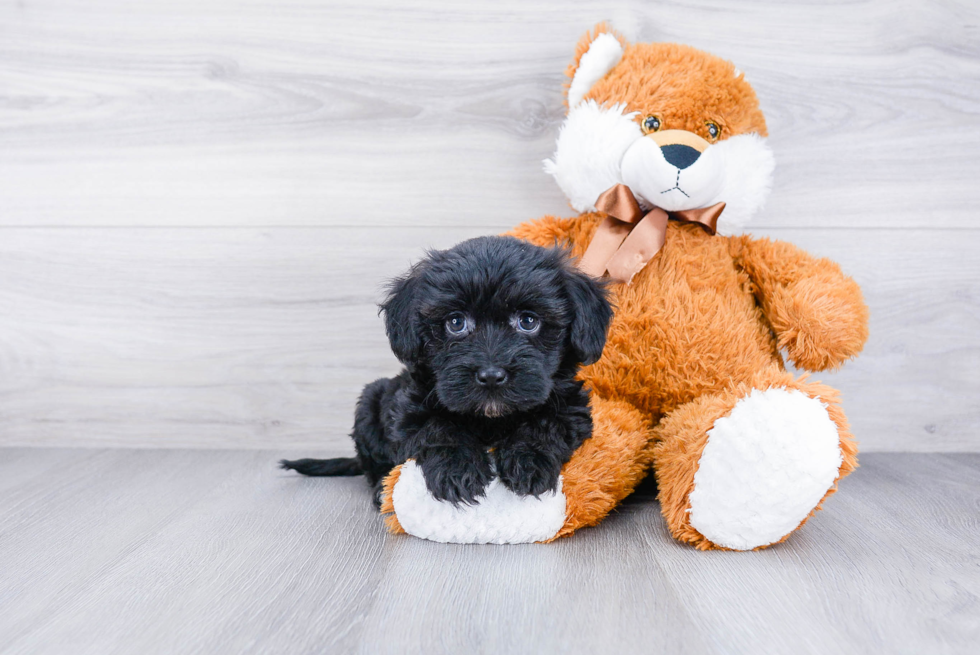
(663, 152)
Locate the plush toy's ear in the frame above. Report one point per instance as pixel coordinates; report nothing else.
(592, 313)
(401, 312)
(596, 54)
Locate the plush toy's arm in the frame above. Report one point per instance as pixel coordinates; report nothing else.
(817, 313)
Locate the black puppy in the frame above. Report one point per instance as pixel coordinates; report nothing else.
(492, 333)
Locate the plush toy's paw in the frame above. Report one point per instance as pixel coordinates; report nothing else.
(457, 475)
(764, 469)
(527, 472)
(756, 473)
(500, 516)
(821, 321)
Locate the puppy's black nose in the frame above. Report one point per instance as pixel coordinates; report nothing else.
(680, 155)
(491, 376)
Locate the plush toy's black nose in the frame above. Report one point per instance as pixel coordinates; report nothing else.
(680, 155)
(491, 376)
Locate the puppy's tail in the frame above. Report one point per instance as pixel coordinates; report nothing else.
(340, 466)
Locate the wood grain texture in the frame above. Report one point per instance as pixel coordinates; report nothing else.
(328, 143)
(264, 337)
(378, 112)
(216, 551)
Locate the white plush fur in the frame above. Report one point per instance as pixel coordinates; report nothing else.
(589, 151)
(601, 146)
(765, 467)
(603, 54)
(747, 163)
(501, 517)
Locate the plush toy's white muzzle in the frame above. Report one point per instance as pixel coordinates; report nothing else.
(672, 176)
(600, 146)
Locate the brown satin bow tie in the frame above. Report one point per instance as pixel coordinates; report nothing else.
(629, 238)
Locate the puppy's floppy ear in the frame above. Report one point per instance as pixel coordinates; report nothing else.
(591, 313)
(401, 313)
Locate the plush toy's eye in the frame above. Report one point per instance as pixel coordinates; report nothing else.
(713, 130)
(528, 322)
(457, 323)
(651, 124)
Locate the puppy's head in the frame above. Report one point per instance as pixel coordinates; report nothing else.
(494, 320)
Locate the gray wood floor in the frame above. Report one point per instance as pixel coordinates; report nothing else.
(180, 551)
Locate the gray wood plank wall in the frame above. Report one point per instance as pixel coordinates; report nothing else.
(200, 200)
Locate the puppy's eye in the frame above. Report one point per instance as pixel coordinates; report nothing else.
(528, 322)
(713, 130)
(650, 124)
(456, 324)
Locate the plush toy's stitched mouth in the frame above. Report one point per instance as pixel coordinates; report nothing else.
(677, 186)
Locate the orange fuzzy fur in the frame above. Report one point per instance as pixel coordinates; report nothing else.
(387, 502)
(622, 445)
(704, 322)
(683, 86)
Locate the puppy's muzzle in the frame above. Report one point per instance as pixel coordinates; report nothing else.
(491, 377)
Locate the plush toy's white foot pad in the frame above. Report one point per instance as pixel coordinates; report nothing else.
(765, 467)
(501, 517)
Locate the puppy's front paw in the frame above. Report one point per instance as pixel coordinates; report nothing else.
(456, 475)
(528, 472)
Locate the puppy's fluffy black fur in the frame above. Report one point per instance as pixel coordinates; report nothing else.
(492, 333)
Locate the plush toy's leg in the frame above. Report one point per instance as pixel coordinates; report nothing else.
(608, 466)
(603, 471)
(744, 468)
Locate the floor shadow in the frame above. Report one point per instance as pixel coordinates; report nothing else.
(645, 492)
